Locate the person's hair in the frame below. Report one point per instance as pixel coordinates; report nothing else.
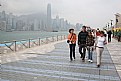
(70, 30)
(84, 27)
(97, 28)
(102, 32)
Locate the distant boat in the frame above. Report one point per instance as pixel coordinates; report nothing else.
(8, 30)
(54, 31)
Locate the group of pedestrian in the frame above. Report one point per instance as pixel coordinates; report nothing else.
(89, 41)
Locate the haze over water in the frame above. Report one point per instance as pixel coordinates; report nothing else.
(19, 35)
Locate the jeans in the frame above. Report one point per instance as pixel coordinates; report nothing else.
(84, 51)
(72, 51)
(90, 52)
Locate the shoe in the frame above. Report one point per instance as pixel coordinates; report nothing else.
(91, 61)
(98, 66)
(83, 60)
(71, 60)
(74, 59)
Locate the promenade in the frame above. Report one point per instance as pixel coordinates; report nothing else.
(50, 62)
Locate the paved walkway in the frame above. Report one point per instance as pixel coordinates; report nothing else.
(114, 49)
(55, 66)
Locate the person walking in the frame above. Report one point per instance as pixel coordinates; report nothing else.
(82, 42)
(101, 41)
(90, 46)
(105, 32)
(97, 33)
(119, 35)
(72, 43)
(109, 35)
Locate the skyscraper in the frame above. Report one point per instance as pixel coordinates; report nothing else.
(49, 20)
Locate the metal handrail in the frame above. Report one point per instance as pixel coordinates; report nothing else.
(14, 45)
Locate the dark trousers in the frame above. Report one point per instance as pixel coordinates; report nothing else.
(119, 38)
(82, 47)
(109, 38)
(72, 51)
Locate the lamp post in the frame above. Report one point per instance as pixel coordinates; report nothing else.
(111, 23)
(108, 25)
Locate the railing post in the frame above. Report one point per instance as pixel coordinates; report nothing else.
(61, 37)
(64, 36)
(39, 41)
(46, 40)
(15, 45)
(29, 42)
(57, 37)
(52, 39)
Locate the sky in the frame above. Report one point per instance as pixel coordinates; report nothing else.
(93, 13)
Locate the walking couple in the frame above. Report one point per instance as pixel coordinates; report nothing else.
(86, 41)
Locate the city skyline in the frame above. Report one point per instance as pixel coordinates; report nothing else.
(34, 22)
(94, 13)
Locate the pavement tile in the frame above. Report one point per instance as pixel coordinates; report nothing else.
(55, 66)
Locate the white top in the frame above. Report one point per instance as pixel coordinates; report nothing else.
(105, 32)
(100, 41)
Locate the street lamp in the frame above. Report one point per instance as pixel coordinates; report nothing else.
(111, 23)
(108, 25)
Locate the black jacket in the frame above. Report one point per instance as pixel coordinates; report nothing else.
(109, 33)
(82, 38)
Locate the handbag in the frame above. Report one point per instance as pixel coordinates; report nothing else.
(70, 39)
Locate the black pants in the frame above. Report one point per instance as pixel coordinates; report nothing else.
(109, 38)
(119, 38)
(72, 51)
(84, 51)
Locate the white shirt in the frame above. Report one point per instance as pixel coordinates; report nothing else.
(100, 41)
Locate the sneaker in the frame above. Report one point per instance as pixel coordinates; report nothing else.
(91, 61)
(83, 60)
(98, 66)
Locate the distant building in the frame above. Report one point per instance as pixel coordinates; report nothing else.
(118, 20)
(3, 16)
(49, 19)
(78, 26)
(57, 22)
(2, 25)
(62, 24)
(36, 25)
(9, 21)
(20, 25)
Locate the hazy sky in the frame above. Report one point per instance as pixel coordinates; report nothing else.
(94, 13)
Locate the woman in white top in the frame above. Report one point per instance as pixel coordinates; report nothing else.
(101, 41)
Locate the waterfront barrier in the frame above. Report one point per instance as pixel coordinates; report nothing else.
(13, 46)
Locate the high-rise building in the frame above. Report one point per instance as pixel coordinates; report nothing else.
(57, 22)
(9, 22)
(62, 24)
(2, 25)
(49, 20)
(3, 16)
(36, 25)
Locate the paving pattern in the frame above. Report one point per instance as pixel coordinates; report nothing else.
(55, 66)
